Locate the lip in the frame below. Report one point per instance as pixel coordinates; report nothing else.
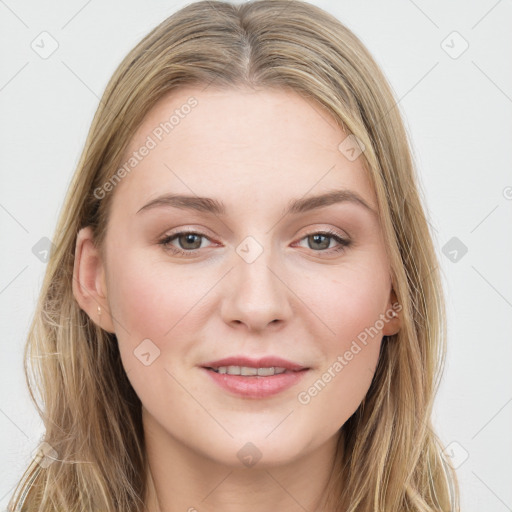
(256, 386)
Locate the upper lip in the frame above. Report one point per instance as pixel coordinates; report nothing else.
(262, 362)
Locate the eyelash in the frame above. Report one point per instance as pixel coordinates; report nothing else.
(165, 242)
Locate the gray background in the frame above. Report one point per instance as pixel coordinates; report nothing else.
(457, 106)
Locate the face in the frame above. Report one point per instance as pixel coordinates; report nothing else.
(266, 273)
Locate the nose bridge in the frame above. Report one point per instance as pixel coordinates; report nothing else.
(257, 294)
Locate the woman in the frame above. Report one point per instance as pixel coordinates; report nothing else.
(289, 357)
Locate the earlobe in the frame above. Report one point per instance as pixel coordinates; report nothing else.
(393, 318)
(89, 284)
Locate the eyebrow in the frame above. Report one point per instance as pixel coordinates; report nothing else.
(294, 207)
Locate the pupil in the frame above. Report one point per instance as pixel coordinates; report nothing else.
(315, 240)
(189, 238)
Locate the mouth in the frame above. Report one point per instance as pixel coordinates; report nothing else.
(250, 371)
(247, 366)
(254, 378)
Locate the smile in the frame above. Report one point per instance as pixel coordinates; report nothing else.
(253, 384)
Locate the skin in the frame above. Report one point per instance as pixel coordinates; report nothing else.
(255, 150)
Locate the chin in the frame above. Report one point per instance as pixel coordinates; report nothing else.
(258, 451)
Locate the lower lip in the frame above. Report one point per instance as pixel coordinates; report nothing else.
(256, 386)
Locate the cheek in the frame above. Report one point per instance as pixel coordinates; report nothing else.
(150, 304)
(349, 306)
(348, 303)
(148, 300)
(351, 354)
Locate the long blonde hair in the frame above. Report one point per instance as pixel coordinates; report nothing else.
(94, 456)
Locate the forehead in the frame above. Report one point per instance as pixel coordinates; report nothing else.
(239, 144)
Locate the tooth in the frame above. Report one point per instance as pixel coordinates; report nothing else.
(245, 370)
(250, 371)
(233, 370)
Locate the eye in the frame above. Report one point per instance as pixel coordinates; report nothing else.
(188, 240)
(321, 240)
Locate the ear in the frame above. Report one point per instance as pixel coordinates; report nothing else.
(393, 323)
(89, 285)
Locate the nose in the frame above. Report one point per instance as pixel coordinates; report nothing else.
(256, 294)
